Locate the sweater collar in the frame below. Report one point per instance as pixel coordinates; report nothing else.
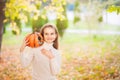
(48, 45)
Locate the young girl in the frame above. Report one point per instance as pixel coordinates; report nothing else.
(46, 59)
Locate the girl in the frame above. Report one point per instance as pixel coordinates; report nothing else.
(46, 59)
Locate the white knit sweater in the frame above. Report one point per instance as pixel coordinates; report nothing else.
(42, 67)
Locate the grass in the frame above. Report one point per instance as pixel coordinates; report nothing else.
(101, 26)
(10, 39)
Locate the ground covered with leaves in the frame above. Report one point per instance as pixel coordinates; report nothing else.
(80, 61)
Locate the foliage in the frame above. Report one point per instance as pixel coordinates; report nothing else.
(11, 69)
(87, 59)
(77, 11)
(100, 19)
(62, 24)
(37, 24)
(114, 8)
(16, 30)
(20, 9)
(76, 19)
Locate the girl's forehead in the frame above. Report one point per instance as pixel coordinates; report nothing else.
(49, 29)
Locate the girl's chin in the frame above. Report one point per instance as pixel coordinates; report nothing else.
(49, 41)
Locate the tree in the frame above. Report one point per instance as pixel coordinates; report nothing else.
(20, 9)
(17, 11)
(2, 5)
(114, 8)
(37, 24)
(62, 24)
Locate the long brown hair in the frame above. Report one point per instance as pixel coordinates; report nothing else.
(55, 43)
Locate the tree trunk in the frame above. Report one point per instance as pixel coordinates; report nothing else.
(2, 5)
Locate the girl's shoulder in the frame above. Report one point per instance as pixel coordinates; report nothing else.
(56, 51)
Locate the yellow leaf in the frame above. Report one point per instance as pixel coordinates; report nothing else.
(35, 17)
(5, 20)
(44, 0)
(43, 16)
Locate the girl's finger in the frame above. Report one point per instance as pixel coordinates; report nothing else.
(43, 51)
(27, 43)
(26, 40)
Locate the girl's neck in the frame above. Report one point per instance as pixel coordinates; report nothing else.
(48, 43)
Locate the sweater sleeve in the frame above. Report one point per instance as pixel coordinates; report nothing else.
(26, 57)
(55, 63)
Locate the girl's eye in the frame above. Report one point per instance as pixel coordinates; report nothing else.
(52, 33)
(46, 33)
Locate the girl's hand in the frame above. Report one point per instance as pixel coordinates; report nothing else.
(47, 53)
(24, 44)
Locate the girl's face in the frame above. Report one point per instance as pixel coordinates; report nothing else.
(49, 35)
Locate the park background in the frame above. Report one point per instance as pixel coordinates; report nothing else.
(89, 37)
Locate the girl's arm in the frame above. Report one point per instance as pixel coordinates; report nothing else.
(55, 60)
(24, 44)
(55, 63)
(26, 54)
